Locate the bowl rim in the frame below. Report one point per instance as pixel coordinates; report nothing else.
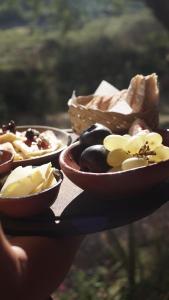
(57, 184)
(8, 160)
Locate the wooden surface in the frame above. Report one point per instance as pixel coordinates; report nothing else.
(80, 212)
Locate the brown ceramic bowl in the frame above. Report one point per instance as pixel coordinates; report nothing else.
(6, 161)
(121, 183)
(53, 156)
(19, 207)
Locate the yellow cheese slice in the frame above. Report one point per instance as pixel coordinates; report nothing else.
(45, 169)
(49, 179)
(16, 175)
(9, 137)
(22, 181)
(24, 186)
(29, 152)
(27, 180)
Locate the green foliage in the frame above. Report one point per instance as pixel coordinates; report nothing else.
(113, 50)
(66, 14)
(107, 278)
(40, 69)
(92, 285)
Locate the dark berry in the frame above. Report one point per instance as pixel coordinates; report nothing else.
(11, 126)
(94, 135)
(4, 128)
(93, 159)
(31, 134)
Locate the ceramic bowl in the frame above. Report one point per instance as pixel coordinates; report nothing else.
(6, 161)
(121, 183)
(53, 156)
(27, 206)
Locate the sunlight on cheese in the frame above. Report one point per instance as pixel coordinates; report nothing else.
(24, 181)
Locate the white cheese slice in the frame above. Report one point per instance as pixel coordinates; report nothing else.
(23, 184)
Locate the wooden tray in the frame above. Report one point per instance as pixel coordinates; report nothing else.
(80, 212)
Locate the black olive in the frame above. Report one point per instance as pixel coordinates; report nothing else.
(94, 135)
(93, 159)
(11, 126)
(31, 134)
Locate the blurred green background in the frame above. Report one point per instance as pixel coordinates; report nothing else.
(48, 48)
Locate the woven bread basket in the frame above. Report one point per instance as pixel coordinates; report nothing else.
(81, 117)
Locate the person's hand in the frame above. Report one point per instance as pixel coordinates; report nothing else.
(13, 263)
(31, 268)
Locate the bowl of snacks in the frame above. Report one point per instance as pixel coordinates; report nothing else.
(33, 145)
(6, 161)
(29, 191)
(117, 165)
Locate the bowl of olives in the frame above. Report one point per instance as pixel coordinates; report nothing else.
(117, 165)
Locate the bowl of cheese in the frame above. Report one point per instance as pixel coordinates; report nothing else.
(29, 190)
